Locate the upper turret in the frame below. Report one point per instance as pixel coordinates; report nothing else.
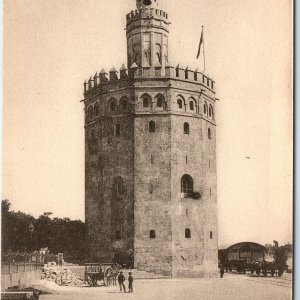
(147, 38)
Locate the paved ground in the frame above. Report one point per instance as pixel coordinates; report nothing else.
(230, 287)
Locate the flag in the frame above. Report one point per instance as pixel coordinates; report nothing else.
(200, 44)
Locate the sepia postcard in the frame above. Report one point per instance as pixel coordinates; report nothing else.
(147, 149)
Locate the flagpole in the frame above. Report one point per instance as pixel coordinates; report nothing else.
(203, 50)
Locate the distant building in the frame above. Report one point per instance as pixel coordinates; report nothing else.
(246, 250)
(150, 157)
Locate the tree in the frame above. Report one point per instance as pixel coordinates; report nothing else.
(21, 232)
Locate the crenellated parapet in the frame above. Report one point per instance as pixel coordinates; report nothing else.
(135, 72)
(147, 13)
(104, 78)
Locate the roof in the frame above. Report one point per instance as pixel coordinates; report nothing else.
(247, 246)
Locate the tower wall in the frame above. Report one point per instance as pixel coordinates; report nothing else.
(109, 179)
(195, 256)
(152, 194)
(138, 177)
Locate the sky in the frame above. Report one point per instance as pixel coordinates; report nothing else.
(52, 46)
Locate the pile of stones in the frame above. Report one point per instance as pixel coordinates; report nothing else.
(60, 275)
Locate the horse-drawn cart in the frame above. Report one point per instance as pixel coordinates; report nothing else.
(95, 272)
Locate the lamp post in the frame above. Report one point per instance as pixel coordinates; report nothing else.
(31, 229)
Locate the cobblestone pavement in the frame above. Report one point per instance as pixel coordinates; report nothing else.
(230, 287)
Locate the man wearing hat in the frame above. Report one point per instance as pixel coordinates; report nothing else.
(121, 280)
(130, 280)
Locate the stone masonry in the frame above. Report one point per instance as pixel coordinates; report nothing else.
(150, 157)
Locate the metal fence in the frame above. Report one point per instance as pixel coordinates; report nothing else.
(16, 262)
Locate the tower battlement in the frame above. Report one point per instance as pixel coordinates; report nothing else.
(179, 73)
(147, 13)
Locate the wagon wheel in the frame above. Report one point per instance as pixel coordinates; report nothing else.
(108, 277)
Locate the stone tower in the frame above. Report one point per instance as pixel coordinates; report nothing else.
(147, 37)
(150, 158)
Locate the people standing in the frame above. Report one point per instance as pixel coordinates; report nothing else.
(115, 273)
(221, 271)
(121, 280)
(130, 280)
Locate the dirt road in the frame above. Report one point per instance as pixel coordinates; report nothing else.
(230, 287)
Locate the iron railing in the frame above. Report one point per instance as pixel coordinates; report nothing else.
(16, 262)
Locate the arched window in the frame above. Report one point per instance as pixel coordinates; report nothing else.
(119, 186)
(211, 111)
(205, 108)
(147, 57)
(146, 100)
(151, 188)
(92, 134)
(90, 113)
(118, 130)
(186, 184)
(191, 105)
(96, 110)
(186, 128)
(179, 102)
(124, 103)
(147, 2)
(187, 233)
(157, 54)
(160, 100)
(118, 235)
(113, 106)
(151, 126)
(137, 58)
(152, 234)
(209, 133)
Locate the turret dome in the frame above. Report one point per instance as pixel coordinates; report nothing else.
(146, 4)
